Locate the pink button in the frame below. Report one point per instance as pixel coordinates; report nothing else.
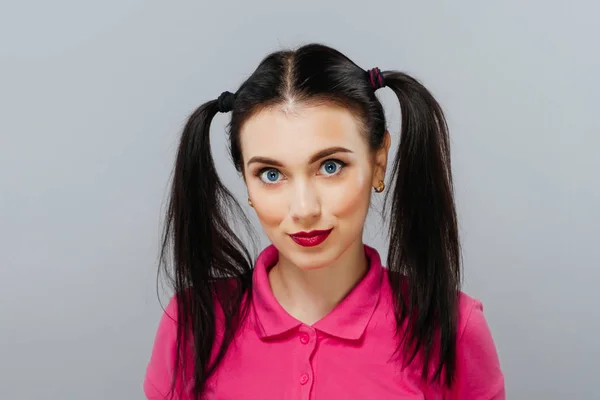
(304, 379)
(304, 338)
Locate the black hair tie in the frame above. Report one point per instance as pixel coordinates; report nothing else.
(376, 78)
(225, 102)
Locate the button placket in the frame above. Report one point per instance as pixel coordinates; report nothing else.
(307, 337)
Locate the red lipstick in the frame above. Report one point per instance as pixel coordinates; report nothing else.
(310, 239)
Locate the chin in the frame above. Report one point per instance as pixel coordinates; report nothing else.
(313, 258)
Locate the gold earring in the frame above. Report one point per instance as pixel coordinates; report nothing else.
(380, 187)
(250, 202)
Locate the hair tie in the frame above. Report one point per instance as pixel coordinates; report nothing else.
(376, 78)
(225, 102)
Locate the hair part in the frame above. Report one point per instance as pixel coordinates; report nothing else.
(211, 266)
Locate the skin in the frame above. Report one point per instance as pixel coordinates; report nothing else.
(293, 188)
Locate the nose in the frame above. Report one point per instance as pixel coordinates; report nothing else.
(305, 205)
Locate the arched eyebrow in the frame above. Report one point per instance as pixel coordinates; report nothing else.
(316, 157)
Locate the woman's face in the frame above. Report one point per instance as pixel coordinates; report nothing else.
(310, 169)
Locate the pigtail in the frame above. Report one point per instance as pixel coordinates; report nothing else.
(424, 248)
(205, 249)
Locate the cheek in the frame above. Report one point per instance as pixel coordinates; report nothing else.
(351, 198)
(269, 216)
(268, 204)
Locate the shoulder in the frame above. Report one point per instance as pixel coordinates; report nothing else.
(478, 371)
(160, 368)
(472, 323)
(162, 364)
(468, 307)
(470, 318)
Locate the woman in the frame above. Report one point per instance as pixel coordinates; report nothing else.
(317, 316)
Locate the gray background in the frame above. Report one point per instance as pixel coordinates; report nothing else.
(94, 95)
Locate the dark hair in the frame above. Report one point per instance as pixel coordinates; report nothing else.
(423, 257)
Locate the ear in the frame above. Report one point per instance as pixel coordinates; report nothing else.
(381, 158)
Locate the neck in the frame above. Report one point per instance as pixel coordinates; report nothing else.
(309, 295)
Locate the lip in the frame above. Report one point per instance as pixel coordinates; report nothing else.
(312, 238)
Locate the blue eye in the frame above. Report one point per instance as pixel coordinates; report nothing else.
(270, 176)
(331, 167)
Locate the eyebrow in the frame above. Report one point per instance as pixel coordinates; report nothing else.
(321, 154)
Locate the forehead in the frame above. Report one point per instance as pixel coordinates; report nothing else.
(296, 135)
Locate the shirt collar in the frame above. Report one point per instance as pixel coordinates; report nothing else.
(348, 320)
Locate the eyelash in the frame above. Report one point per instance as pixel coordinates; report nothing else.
(341, 164)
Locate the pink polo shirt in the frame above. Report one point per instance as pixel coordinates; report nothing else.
(346, 355)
